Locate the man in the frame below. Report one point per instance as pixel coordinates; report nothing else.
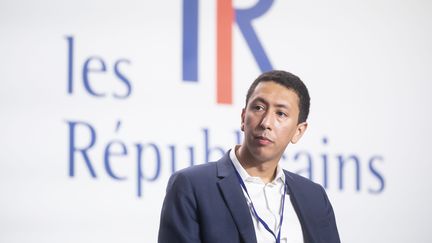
(246, 196)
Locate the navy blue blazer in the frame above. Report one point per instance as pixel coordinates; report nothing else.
(205, 203)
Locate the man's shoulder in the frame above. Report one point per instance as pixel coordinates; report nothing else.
(194, 178)
(302, 182)
(197, 170)
(207, 170)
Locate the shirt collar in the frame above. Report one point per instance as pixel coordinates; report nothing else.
(280, 175)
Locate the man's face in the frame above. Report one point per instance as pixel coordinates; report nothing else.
(269, 122)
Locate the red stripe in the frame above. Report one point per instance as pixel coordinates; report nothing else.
(225, 17)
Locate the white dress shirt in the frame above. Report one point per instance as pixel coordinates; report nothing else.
(267, 200)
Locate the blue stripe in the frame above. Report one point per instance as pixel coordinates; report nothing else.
(190, 40)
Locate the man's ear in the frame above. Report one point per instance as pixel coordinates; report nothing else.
(242, 119)
(301, 128)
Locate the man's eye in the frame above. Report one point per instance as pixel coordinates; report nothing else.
(281, 114)
(259, 108)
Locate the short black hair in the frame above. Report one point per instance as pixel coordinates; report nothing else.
(290, 81)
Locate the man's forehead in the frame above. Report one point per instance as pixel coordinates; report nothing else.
(275, 93)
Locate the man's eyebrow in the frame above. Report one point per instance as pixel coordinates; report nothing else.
(260, 99)
(278, 105)
(287, 106)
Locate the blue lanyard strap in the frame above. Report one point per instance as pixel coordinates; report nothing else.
(256, 214)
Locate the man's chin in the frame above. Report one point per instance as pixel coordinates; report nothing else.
(262, 156)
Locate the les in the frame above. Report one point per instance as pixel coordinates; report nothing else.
(96, 67)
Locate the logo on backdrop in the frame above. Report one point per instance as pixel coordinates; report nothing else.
(227, 16)
(91, 153)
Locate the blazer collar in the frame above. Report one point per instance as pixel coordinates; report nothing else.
(234, 199)
(236, 202)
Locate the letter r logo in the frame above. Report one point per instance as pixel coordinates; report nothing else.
(226, 15)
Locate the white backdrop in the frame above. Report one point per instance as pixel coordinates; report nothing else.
(367, 64)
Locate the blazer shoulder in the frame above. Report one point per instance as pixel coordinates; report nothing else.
(197, 170)
(300, 179)
(207, 171)
(303, 183)
(193, 174)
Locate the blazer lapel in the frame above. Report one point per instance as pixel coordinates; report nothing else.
(296, 200)
(235, 200)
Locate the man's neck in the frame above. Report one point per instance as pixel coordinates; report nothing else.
(266, 170)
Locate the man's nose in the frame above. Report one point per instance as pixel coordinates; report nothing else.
(267, 120)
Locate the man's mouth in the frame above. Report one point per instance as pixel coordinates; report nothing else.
(262, 140)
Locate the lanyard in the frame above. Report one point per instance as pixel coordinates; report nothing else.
(256, 214)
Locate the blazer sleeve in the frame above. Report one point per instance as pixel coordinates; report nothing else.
(179, 217)
(329, 231)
